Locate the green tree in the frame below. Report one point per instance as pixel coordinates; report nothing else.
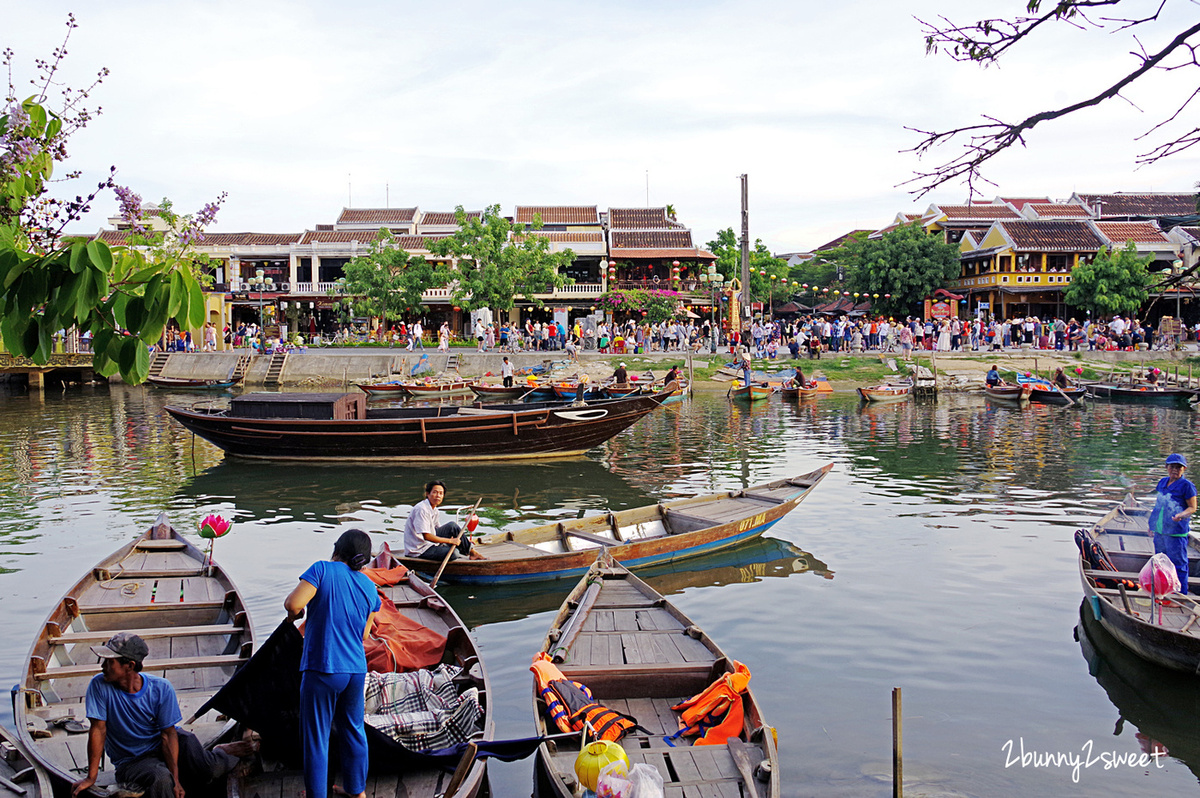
(123, 296)
(497, 261)
(728, 250)
(1114, 282)
(387, 282)
(907, 263)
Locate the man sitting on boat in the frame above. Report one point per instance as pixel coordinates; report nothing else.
(797, 380)
(425, 539)
(1060, 379)
(133, 717)
(1175, 503)
(993, 377)
(621, 376)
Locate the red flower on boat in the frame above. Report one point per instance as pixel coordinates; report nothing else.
(214, 526)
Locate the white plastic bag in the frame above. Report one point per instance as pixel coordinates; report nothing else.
(1159, 572)
(613, 781)
(647, 781)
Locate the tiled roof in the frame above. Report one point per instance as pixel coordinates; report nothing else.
(1020, 202)
(691, 253)
(250, 239)
(1194, 232)
(1067, 236)
(595, 237)
(114, 237)
(1142, 204)
(837, 242)
(976, 233)
(651, 239)
(971, 212)
(1060, 210)
(445, 217)
(1137, 232)
(379, 216)
(410, 243)
(337, 236)
(557, 214)
(639, 219)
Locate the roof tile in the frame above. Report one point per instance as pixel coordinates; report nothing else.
(377, 215)
(1137, 232)
(1065, 236)
(640, 219)
(1148, 204)
(651, 239)
(557, 214)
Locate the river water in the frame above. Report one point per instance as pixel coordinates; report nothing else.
(937, 557)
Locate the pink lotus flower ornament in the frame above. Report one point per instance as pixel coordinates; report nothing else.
(214, 526)
(1079, 369)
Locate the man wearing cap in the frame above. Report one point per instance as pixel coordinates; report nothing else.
(133, 717)
(621, 376)
(1175, 502)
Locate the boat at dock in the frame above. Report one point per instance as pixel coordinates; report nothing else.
(341, 427)
(1142, 394)
(887, 392)
(161, 588)
(641, 536)
(640, 655)
(1008, 393)
(188, 384)
(1160, 629)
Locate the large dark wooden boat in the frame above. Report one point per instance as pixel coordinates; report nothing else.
(640, 655)
(1047, 393)
(161, 588)
(189, 384)
(293, 426)
(640, 536)
(1142, 394)
(1165, 633)
(394, 770)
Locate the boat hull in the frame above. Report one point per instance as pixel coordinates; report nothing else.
(751, 393)
(1169, 397)
(884, 394)
(423, 434)
(184, 384)
(1009, 393)
(501, 567)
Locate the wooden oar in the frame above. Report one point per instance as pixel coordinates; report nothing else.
(1064, 396)
(450, 553)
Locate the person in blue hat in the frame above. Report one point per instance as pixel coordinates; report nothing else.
(1175, 502)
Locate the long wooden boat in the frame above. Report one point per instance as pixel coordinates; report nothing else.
(497, 393)
(793, 392)
(1161, 632)
(640, 536)
(161, 588)
(623, 390)
(640, 655)
(20, 774)
(751, 393)
(884, 393)
(189, 384)
(1141, 394)
(438, 390)
(278, 430)
(394, 389)
(390, 775)
(1046, 393)
(1008, 393)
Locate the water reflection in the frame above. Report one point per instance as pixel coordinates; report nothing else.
(1162, 704)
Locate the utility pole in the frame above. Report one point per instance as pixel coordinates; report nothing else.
(744, 321)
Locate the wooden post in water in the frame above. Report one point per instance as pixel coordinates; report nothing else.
(897, 745)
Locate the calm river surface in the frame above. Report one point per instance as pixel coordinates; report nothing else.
(937, 557)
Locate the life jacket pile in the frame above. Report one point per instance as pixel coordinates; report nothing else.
(570, 704)
(716, 714)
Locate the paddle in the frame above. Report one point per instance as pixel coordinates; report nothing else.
(450, 553)
(1070, 401)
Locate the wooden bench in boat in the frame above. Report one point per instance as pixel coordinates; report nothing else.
(56, 638)
(42, 673)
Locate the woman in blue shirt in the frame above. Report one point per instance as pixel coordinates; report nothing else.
(1175, 502)
(342, 604)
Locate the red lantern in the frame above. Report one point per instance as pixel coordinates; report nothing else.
(457, 308)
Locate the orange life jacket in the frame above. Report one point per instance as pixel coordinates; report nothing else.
(716, 714)
(570, 704)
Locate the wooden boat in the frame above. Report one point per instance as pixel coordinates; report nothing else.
(639, 536)
(640, 655)
(1141, 394)
(340, 427)
(794, 392)
(1161, 632)
(20, 774)
(414, 599)
(395, 389)
(188, 384)
(620, 391)
(1008, 393)
(750, 393)
(497, 393)
(161, 588)
(438, 390)
(1045, 392)
(676, 391)
(569, 390)
(886, 392)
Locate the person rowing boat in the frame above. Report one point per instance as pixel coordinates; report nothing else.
(424, 538)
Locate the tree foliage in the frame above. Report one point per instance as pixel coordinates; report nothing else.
(387, 282)
(656, 304)
(987, 40)
(497, 261)
(908, 263)
(728, 250)
(1114, 282)
(123, 296)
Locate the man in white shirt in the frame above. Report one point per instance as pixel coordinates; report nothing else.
(425, 539)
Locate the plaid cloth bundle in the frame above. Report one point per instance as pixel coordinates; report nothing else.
(422, 710)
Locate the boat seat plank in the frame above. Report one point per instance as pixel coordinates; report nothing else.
(722, 510)
(680, 522)
(599, 540)
(184, 648)
(93, 638)
(143, 606)
(625, 620)
(160, 545)
(202, 588)
(762, 497)
(223, 661)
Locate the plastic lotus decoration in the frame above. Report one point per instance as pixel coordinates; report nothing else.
(212, 527)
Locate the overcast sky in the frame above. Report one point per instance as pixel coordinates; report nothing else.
(300, 108)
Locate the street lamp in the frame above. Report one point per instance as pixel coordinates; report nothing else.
(261, 284)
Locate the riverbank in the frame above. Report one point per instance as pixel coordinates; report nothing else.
(342, 368)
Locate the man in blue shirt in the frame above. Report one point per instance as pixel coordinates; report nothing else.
(1175, 503)
(133, 717)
